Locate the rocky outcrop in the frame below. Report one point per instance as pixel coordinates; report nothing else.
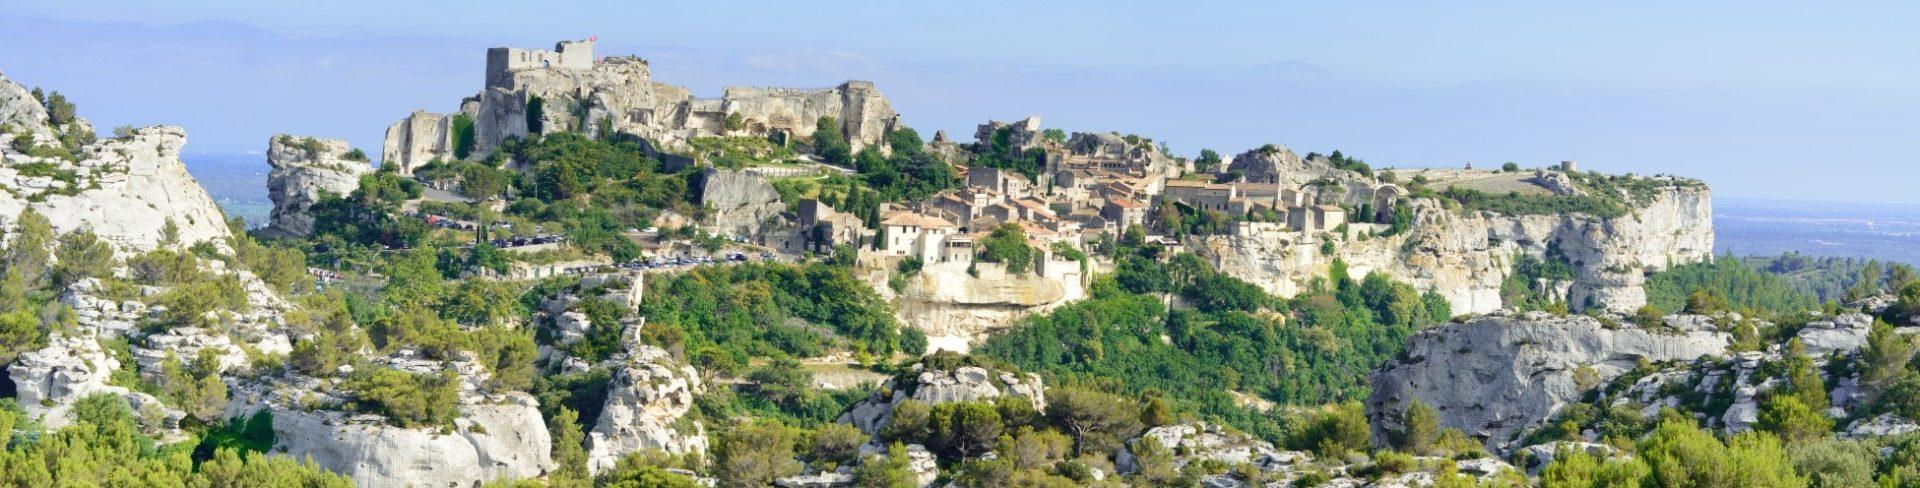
(494, 436)
(954, 308)
(1466, 256)
(304, 169)
(1843, 333)
(933, 387)
(417, 140)
(125, 189)
(741, 201)
(1201, 441)
(1022, 135)
(1494, 377)
(23, 114)
(48, 381)
(491, 440)
(647, 408)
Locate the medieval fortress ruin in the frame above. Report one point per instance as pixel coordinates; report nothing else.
(530, 91)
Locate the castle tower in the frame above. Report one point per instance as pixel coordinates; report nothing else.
(1568, 166)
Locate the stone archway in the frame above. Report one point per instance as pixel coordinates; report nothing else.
(1385, 197)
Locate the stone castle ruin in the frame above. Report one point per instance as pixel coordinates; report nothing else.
(576, 55)
(536, 91)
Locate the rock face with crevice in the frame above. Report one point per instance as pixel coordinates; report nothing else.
(304, 170)
(1496, 376)
(647, 408)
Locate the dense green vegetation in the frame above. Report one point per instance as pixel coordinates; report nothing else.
(722, 316)
(1312, 349)
(1743, 286)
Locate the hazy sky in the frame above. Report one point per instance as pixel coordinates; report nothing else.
(1762, 99)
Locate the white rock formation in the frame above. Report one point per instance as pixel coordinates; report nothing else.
(48, 381)
(741, 201)
(647, 406)
(1496, 376)
(1465, 257)
(1846, 332)
(304, 169)
(500, 439)
(933, 387)
(954, 308)
(417, 140)
(1884, 425)
(1201, 441)
(124, 189)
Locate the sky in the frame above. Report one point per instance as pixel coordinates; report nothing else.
(1762, 99)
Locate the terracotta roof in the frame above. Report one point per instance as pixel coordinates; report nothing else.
(1124, 202)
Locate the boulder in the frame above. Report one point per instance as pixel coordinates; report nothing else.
(1201, 441)
(304, 169)
(1846, 332)
(1884, 425)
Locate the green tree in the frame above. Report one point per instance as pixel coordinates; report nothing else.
(893, 470)
(27, 248)
(1681, 454)
(830, 144)
(463, 136)
(1208, 162)
(1792, 420)
(966, 428)
(1007, 244)
(1574, 468)
(754, 454)
(569, 451)
(1097, 421)
(1419, 428)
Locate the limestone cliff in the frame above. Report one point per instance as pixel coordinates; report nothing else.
(417, 140)
(126, 189)
(1465, 256)
(1496, 376)
(304, 168)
